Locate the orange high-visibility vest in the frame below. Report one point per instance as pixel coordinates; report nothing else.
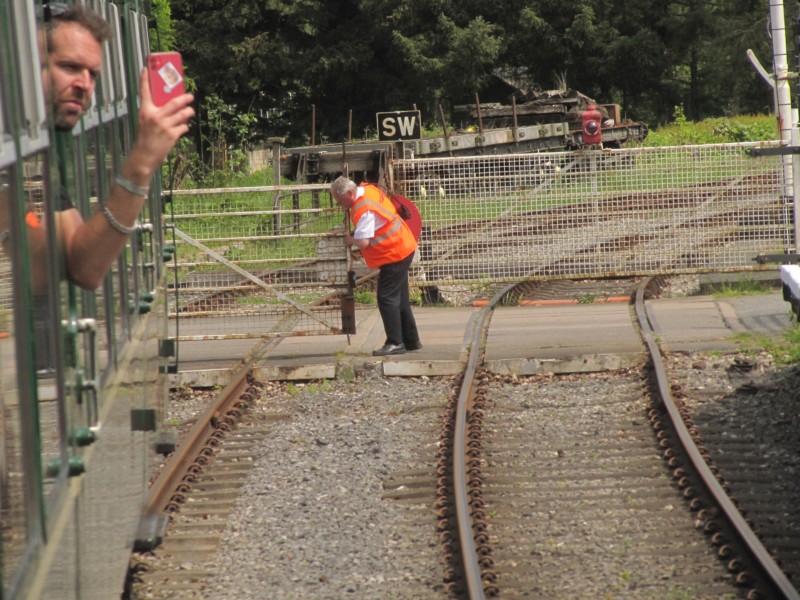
(393, 240)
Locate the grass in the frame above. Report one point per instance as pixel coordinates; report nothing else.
(744, 287)
(254, 242)
(785, 350)
(267, 299)
(717, 130)
(347, 373)
(310, 388)
(365, 297)
(640, 170)
(230, 215)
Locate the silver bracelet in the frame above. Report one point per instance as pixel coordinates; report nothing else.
(131, 187)
(113, 222)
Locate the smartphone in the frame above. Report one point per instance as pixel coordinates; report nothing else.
(165, 72)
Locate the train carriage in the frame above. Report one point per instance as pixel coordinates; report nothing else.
(83, 373)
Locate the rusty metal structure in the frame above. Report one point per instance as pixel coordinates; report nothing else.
(541, 122)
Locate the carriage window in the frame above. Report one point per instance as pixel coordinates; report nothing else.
(32, 103)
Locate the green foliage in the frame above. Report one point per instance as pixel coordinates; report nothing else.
(745, 287)
(347, 373)
(785, 350)
(716, 130)
(365, 297)
(309, 389)
(791, 354)
(222, 159)
(162, 36)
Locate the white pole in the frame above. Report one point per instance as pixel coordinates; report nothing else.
(781, 69)
(795, 158)
(783, 99)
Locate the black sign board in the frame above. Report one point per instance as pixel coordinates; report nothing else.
(399, 125)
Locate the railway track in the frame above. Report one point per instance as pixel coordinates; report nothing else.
(571, 487)
(608, 475)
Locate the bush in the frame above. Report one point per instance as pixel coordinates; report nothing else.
(717, 130)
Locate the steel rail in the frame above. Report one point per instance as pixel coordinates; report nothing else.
(776, 578)
(173, 474)
(469, 557)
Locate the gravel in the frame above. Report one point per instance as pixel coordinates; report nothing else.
(314, 522)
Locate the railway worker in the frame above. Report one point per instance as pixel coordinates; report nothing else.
(386, 243)
(74, 35)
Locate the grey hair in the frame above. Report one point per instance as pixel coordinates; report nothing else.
(341, 186)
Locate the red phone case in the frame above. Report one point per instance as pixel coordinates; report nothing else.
(165, 70)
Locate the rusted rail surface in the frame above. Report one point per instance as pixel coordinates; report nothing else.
(463, 526)
(168, 490)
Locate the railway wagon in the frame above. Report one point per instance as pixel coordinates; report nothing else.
(542, 122)
(83, 373)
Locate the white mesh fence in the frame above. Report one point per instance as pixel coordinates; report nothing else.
(256, 262)
(596, 213)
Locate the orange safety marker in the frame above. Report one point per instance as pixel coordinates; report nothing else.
(32, 220)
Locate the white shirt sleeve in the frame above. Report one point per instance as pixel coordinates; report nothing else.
(367, 224)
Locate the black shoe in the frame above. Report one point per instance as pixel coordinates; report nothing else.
(390, 349)
(412, 347)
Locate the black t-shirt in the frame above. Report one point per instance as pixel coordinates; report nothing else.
(64, 200)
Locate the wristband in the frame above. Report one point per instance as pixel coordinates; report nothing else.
(113, 222)
(131, 187)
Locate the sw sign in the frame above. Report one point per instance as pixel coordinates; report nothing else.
(399, 125)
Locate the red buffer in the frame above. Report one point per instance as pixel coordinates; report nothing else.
(591, 120)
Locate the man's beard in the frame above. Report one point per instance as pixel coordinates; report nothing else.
(66, 122)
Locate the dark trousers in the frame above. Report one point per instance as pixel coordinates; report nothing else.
(394, 304)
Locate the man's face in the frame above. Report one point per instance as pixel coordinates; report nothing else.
(346, 200)
(73, 66)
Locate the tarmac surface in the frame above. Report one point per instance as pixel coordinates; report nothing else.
(522, 340)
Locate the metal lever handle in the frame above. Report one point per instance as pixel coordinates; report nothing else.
(89, 384)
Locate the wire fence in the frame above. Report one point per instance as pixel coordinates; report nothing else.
(269, 261)
(597, 213)
(257, 262)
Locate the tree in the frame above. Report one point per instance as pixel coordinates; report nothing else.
(277, 58)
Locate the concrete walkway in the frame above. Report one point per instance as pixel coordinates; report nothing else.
(522, 340)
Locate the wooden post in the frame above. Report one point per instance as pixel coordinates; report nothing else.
(478, 112)
(313, 124)
(276, 142)
(350, 126)
(444, 129)
(514, 114)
